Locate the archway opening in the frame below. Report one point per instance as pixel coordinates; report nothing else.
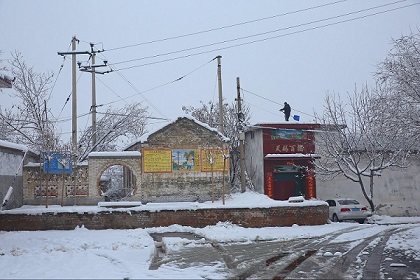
(117, 183)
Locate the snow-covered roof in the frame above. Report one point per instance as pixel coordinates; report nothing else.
(145, 137)
(284, 125)
(223, 137)
(13, 146)
(115, 154)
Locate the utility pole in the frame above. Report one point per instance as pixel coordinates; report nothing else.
(93, 100)
(74, 98)
(73, 94)
(241, 136)
(219, 77)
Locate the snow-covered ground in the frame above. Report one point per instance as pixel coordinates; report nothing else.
(118, 254)
(238, 200)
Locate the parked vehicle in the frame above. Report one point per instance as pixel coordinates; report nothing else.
(341, 209)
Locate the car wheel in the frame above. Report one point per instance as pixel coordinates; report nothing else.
(335, 218)
(361, 221)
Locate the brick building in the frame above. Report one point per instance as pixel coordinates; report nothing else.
(183, 161)
(279, 159)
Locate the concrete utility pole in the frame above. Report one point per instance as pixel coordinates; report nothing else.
(93, 100)
(73, 98)
(241, 136)
(219, 76)
(74, 95)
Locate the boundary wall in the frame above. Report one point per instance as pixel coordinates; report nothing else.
(130, 219)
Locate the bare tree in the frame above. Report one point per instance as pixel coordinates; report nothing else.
(117, 126)
(359, 142)
(209, 113)
(400, 71)
(28, 122)
(398, 79)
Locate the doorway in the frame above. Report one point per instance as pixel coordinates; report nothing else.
(287, 181)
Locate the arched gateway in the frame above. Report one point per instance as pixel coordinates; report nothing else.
(100, 161)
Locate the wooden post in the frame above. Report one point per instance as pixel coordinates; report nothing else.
(46, 186)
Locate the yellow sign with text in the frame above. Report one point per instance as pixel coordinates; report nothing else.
(157, 160)
(214, 160)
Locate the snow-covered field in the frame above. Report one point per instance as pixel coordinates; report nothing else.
(118, 254)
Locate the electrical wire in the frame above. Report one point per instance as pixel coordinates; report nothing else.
(265, 33)
(137, 93)
(59, 71)
(275, 102)
(67, 100)
(159, 86)
(258, 34)
(226, 26)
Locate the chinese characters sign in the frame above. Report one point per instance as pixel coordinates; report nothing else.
(288, 141)
(269, 178)
(157, 160)
(215, 158)
(184, 160)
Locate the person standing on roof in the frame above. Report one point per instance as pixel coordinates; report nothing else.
(286, 110)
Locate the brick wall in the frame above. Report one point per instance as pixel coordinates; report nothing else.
(74, 190)
(98, 165)
(245, 217)
(189, 185)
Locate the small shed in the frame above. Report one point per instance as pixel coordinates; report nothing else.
(12, 159)
(185, 160)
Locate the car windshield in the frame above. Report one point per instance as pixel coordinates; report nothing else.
(348, 202)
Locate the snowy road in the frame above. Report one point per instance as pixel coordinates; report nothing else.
(334, 251)
(352, 253)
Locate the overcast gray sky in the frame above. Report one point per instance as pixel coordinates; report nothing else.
(292, 51)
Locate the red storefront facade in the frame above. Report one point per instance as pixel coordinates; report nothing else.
(284, 154)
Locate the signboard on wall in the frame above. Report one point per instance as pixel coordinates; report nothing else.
(185, 160)
(57, 163)
(289, 134)
(288, 141)
(269, 184)
(157, 160)
(311, 188)
(214, 157)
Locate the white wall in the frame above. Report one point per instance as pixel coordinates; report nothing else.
(254, 158)
(10, 164)
(396, 192)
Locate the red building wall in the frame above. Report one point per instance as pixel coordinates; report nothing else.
(288, 151)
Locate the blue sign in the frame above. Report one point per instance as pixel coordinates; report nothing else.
(57, 163)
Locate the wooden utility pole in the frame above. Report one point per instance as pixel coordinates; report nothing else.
(241, 136)
(219, 77)
(74, 98)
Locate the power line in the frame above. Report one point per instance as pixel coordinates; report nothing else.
(137, 93)
(59, 71)
(226, 26)
(68, 98)
(265, 33)
(272, 101)
(258, 34)
(161, 85)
